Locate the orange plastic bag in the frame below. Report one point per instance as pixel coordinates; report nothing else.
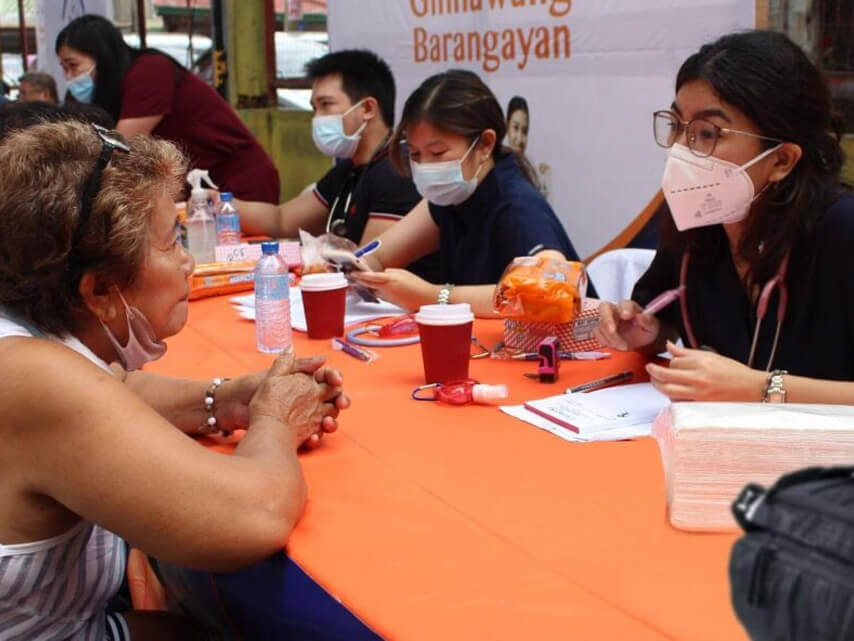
(541, 290)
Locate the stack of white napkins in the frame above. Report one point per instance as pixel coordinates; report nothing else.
(711, 451)
(358, 311)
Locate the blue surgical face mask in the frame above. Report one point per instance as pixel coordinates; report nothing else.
(82, 86)
(442, 183)
(329, 136)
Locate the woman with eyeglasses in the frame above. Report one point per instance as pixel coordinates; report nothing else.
(147, 92)
(756, 265)
(92, 273)
(479, 209)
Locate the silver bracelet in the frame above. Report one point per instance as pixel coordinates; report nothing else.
(775, 390)
(209, 426)
(445, 294)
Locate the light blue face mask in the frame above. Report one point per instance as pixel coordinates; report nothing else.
(442, 183)
(82, 87)
(329, 137)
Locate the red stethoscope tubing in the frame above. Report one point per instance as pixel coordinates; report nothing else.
(779, 281)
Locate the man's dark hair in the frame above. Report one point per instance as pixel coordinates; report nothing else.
(20, 115)
(363, 74)
(42, 81)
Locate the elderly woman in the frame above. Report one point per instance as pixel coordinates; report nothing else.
(91, 273)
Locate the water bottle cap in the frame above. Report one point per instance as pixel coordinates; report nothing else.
(226, 196)
(270, 247)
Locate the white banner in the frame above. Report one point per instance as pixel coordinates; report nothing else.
(53, 16)
(592, 73)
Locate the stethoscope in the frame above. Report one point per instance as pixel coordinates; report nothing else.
(338, 225)
(779, 281)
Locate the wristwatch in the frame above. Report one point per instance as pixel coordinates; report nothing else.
(445, 294)
(775, 391)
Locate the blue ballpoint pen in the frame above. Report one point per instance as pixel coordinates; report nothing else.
(371, 247)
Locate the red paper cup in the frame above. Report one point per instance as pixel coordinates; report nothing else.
(445, 332)
(324, 298)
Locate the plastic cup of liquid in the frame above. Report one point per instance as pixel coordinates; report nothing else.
(445, 332)
(324, 298)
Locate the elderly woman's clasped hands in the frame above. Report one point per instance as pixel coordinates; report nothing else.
(302, 395)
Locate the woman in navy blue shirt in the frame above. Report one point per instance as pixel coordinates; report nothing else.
(479, 209)
(760, 243)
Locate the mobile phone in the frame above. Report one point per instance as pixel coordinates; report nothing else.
(344, 259)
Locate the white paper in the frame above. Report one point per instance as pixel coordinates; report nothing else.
(245, 312)
(621, 433)
(564, 408)
(612, 410)
(630, 404)
(358, 311)
(523, 414)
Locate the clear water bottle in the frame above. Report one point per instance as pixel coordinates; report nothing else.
(227, 221)
(272, 307)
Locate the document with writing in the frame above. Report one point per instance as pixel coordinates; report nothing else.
(614, 413)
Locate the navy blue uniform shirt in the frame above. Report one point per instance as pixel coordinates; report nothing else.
(504, 218)
(817, 335)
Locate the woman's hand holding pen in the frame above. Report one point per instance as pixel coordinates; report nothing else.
(625, 326)
(699, 375)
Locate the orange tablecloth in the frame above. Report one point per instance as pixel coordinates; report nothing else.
(436, 522)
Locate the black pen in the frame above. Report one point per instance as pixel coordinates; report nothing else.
(564, 356)
(601, 382)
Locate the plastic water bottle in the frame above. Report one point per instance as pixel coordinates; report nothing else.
(272, 307)
(227, 221)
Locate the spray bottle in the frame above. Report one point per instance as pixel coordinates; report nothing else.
(201, 225)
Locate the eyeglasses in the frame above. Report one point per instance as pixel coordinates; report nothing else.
(701, 135)
(111, 141)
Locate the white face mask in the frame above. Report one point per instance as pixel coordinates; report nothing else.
(329, 137)
(707, 191)
(143, 345)
(442, 183)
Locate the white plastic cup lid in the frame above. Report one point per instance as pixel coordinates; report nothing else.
(323, 282)
(444, 314)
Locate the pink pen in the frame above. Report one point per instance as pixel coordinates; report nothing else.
(663, 300)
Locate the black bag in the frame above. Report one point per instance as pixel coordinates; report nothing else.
(792, 574)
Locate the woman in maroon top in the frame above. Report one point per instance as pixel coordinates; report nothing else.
(148, 92)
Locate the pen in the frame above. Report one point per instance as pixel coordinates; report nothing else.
(564, 356)
(371, 247)
(601, 382)
(354, 351)
(663, 300)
